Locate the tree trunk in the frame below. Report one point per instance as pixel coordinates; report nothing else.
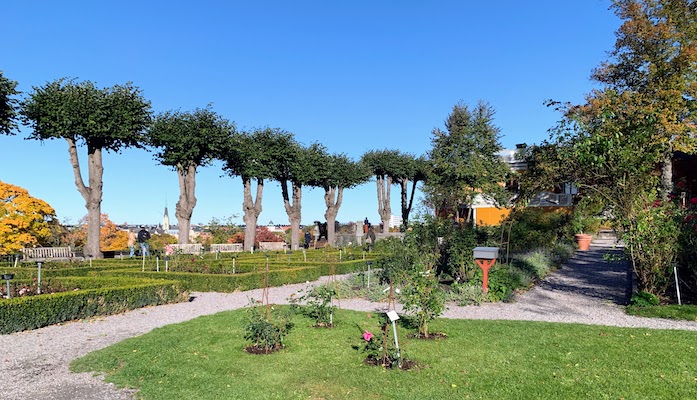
(92, 194)
(667, 175)
(332, 210)
(187, 200)
(384, 184)
(293, 209)
(406, 205)
(252, 209)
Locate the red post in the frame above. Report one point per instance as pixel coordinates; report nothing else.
(485, 265)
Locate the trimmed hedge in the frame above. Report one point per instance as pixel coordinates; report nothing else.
(103, 297)
(228, 283)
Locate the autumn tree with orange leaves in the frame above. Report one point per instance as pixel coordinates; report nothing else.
(25, 221)
(111, 236)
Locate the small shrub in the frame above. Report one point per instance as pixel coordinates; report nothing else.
(266, 326)
(356, 286)
(318, 305)
(644, 299)
(467, 294)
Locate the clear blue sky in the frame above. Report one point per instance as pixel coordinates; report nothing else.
(354, 75)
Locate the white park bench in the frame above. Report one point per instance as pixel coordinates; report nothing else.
(272, 246)
(226, 248)
(190, 248)
(47, 253)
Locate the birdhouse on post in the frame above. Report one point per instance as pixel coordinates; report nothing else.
(485, 257)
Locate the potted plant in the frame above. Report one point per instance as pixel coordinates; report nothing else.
(585, 221)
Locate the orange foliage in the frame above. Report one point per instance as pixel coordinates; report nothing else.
(24, 220)
(111, 237)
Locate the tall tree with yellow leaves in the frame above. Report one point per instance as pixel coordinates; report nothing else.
(24, 220)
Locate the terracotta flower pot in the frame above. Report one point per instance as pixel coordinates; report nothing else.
(584, 241)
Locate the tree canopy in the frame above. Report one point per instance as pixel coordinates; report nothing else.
(185, 141)
(102, 119)
(250, 155)
(25, 221)
(8, 105)
(465, 161)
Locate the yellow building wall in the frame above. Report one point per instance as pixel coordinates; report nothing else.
(491, 216)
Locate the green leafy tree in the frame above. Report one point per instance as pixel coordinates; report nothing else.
(186, 141)
(108, 119)
(654, 67)
(624, 133)
(383, 164)
(249, 156)
(8, 105)
(465, 162)
(410, 169)
(295, 166)
(334, 173)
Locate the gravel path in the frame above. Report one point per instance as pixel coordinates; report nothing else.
(34, 364)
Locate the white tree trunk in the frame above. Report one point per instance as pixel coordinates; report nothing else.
(384, 184)
(293, 209)
(187, 200)
(252, 209)
(332, 210)
(92, 194)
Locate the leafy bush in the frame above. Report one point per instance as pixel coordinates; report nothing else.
(467, 294)
(318, 305)
(536, 263)
(356, 285)
(651, 234)
(536, 228)
(266, 326)
(644, 299)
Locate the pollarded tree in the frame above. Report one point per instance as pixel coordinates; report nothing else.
(24, 220)
(108, 119)
(186, 141)
(8, 105)
(294, 165)
(249, 156)
(465, 161)
(384, 164)
(409, 169)
(334, 173)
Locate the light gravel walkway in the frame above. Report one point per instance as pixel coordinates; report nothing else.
(34, 364)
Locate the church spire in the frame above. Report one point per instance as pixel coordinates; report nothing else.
(165, 221)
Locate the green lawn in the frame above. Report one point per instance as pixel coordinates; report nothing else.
(672, 311)
(204, 359)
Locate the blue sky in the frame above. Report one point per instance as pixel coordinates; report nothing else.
(355, 76)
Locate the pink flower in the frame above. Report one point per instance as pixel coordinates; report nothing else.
(693, 200)
(367, 336)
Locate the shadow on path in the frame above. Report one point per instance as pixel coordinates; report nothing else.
(590, 274)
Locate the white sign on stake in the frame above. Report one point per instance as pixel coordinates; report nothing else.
(392, 315)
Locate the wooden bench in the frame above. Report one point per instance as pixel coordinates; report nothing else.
(190, 248)
(226, 248)
(47, 253)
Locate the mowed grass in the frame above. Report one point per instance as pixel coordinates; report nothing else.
(204, 359)
(673, 311)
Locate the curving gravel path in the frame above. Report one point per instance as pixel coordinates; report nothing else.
(34, 364)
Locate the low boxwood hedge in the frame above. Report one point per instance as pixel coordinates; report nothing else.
(228, 283)
(96, 296)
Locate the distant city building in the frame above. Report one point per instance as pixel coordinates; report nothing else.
(395, 221)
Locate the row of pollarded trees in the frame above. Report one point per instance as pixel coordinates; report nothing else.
(120, 117)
